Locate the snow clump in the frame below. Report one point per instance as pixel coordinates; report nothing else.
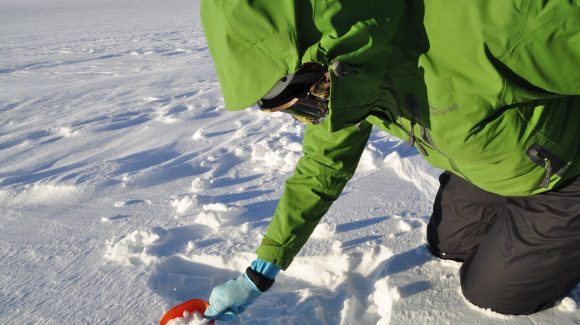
(198, 185)
(280, 155)
(567, 304)
(199, 135)
(133, 249)
(44, 194)
(63, 131)
(189, 319)
(216, 215)
(181, 205)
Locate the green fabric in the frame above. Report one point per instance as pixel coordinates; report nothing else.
(320, 176)
(254, 44)
(479, 82)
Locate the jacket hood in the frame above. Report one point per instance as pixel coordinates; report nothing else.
(254, 43)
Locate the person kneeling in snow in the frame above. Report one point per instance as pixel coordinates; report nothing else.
(486, 90)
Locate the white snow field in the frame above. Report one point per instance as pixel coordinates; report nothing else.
(126, 188)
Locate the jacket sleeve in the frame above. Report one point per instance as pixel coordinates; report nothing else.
(329, 161)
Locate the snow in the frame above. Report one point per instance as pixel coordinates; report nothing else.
(126, 188)
(189, 319)
(219, 215)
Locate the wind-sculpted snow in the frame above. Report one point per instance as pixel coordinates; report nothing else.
(126, 188)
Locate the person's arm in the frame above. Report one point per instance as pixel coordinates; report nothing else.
(330, 159)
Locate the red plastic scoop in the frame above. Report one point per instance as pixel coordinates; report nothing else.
(191, 306)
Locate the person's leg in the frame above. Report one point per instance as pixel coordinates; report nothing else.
(462, 215)
(530, 257)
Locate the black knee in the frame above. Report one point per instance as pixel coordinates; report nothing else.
(433, 243)
(489, 291)
(442, 248)
(493, 299)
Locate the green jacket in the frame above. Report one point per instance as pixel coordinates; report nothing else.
(487, 89)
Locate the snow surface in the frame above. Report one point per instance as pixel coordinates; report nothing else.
(126, 188)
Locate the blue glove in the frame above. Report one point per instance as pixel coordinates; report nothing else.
(229, 299)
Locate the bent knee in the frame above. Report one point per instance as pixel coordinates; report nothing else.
(445, 249)
(501, 298)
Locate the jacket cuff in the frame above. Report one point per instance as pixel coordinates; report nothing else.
(271, 251)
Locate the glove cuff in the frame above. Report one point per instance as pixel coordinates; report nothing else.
(262, 283)
(265, 268)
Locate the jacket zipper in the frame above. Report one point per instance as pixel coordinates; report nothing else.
(425, 140)
(411, 106)
(548, 167)
(548, 160)
(419, 143)
(409, 102)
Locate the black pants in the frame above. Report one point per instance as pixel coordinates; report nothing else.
(520, 254)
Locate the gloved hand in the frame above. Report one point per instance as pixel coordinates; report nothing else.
(229, 299)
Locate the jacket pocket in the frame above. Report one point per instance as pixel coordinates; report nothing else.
(553, 164)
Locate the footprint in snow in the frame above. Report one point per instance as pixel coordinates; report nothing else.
(118, 217)
(134, 202)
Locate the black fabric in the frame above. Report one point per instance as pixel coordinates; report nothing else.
(521, 254)
(469, 212)
(299, 87)
(262, 282)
